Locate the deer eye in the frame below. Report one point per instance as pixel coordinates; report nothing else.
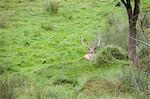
(92, 52)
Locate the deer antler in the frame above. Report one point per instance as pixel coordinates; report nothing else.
(96, 43)
(91, 50)
(85, 44)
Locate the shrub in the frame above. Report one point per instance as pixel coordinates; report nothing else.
(51, 6)
(109, 54)
(115, 52)
(103, 59)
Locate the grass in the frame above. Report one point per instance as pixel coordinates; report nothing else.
(47, 48)
(51, 6)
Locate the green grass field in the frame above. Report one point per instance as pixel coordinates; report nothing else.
(45, 50)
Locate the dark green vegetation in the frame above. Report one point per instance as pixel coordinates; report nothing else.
(41, 56)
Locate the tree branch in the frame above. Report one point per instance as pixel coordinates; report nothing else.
(140, 41)
(129, 4)
(136, 7)
(125, 4)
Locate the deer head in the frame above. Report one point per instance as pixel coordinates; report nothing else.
(91, 50)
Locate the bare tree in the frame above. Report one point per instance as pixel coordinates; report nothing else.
(132, 19)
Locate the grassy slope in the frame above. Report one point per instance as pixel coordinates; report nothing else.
(28, 45)
(29, 48)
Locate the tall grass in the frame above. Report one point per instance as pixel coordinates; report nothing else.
(128, 82)
(134, 80)
(146, 21)
(144, 55)
(3, 23)
(4, 68)
(51, 6)
(9, 85)
(116, 31)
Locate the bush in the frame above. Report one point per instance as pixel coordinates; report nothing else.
(103, 59)
(51, 6)
(109, 54)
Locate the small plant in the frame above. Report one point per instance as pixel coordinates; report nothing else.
(51, 6)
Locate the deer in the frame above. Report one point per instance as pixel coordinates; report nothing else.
(91, 50)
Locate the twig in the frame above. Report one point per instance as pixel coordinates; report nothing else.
(145, 43)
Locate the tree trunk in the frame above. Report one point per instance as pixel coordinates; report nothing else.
(132, 42)
(132, 18)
